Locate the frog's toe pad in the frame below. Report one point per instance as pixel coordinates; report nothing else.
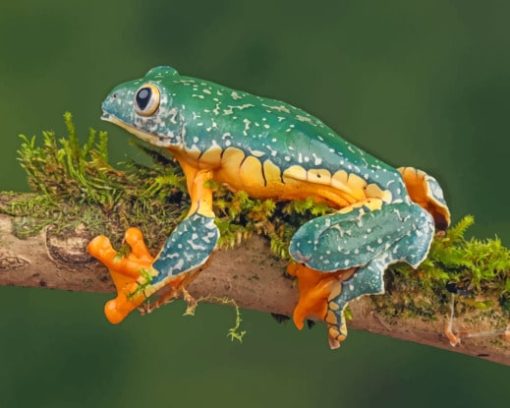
(101, 249)
(335, 338)
(116, 310)
(113, 311)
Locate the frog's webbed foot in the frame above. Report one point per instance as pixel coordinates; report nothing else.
(368, 280)
(324, 295)
(128, 271)
(317, 293)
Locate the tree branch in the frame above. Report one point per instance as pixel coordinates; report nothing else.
(249, 275)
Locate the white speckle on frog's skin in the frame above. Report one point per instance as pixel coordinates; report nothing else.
(279, 108)
(247, 124)
(317, 159)
(306, 119)
(256, 153)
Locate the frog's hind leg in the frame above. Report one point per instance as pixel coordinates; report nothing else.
(425, 191)
(362, 240)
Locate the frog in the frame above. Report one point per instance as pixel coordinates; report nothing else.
(268, 149)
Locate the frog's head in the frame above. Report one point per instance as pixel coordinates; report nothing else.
(144, 107)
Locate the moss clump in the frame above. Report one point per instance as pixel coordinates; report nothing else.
(74, 183)
(477, 271)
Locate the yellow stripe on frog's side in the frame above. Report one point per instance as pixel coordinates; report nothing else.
(272, 173)
(350, 185)
(294, 173)
(371, 204)
(264, 179)
(339, 179)
(231, 159)
(251, 173)
(211, 157)
(319, 176)
(356, 182)
(374, 191)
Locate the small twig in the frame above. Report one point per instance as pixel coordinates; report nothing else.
(448, 330)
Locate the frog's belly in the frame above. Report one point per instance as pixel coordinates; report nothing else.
(263, 179)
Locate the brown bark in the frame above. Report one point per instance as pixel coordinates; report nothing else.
(248, 274)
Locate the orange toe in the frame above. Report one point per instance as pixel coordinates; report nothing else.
(112, 312)
(116, 310)
(101, 247)
(134, 238)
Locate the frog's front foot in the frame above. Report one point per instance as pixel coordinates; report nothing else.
(130, 272)
(137, 275)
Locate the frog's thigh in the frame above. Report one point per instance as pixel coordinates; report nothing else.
(342, 240)
(425, 191)
(352, 239)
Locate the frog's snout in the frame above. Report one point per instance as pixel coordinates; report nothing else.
(106, 116)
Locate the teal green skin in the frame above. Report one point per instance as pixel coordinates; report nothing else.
(194, 115)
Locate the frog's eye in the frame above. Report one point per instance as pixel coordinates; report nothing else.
(147, 100)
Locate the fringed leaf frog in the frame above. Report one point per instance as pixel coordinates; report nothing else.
(270, 149)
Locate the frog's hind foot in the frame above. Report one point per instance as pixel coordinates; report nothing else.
(130, 271)
(317, 292)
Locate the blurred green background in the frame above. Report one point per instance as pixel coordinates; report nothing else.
(423, 83)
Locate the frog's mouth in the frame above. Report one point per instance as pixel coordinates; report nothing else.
(150, 138)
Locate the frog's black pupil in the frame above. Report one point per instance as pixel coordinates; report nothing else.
(143, 97)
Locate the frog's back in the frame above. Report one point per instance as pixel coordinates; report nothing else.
(285, 151)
